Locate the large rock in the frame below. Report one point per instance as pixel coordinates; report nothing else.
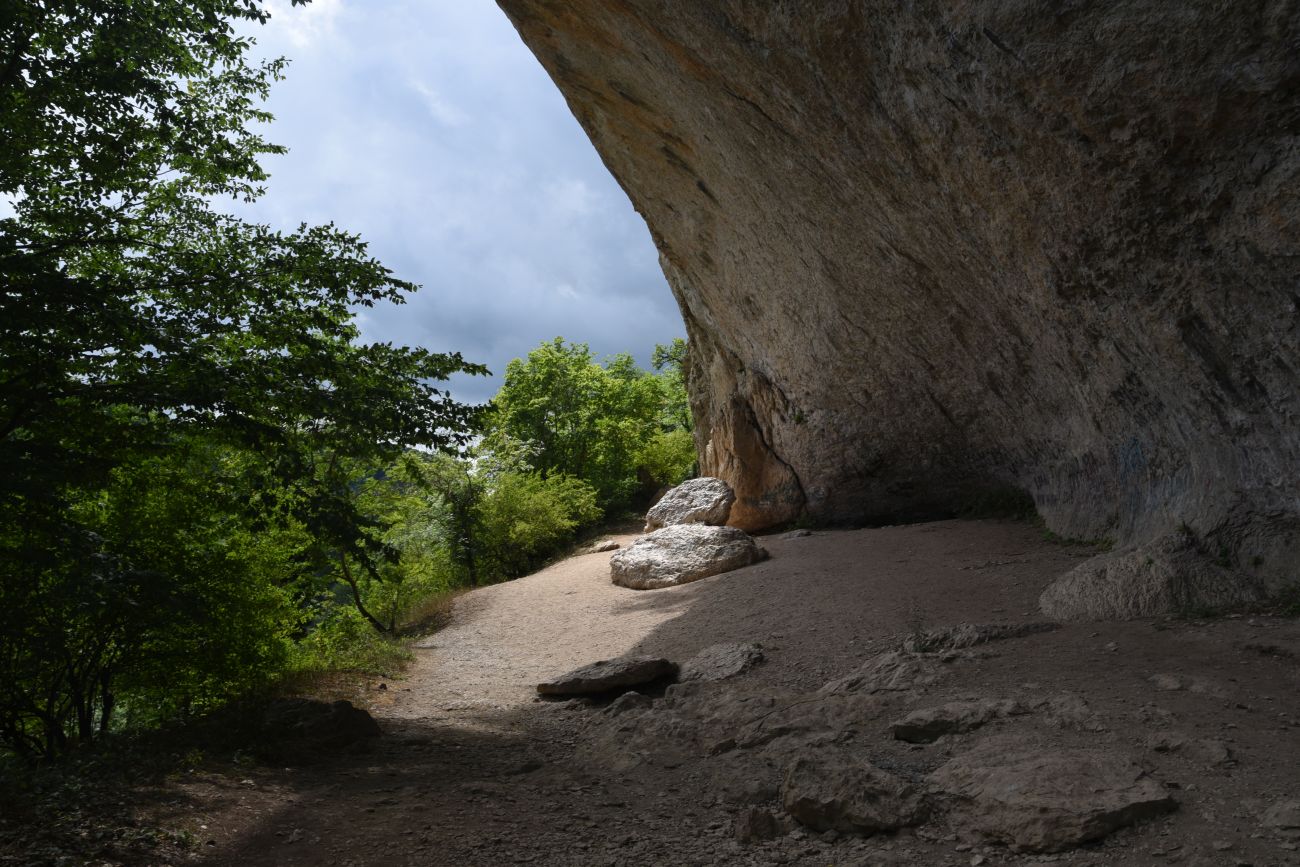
(1047, 802)
(928, 724)
(681, 554)
(1173, 573)
(881, 223)
(697, 501)
(835, 793)
(609, 674)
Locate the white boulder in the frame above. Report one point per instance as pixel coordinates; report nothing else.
(697, 501)
(681, 554)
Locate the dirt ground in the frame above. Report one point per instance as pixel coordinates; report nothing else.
(474, 770)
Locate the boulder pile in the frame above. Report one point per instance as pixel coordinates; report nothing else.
(686, 540)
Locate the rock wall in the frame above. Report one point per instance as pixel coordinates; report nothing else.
(931, 252)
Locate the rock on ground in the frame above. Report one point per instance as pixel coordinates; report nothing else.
(839, 793)
(926, 725)
(628, 701)
(1166, 682)
(696, 501)
(682, 553)
(1067, 710)
(891, 671)
(609, 674)
(721, 661)
(757, 824)
(1047, 802)
(1283, 819)
(1171, 574)
(964, 635)
(1204, 751)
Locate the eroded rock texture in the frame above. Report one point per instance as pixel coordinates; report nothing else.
(931, 251)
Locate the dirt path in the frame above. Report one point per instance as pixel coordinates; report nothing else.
(474, 770)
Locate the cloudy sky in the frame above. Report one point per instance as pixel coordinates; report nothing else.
(428, 127)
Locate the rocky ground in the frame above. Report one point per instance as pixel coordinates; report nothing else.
(1000, 741)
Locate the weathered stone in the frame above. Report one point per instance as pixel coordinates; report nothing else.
(609, 674)
(757, 824)
(808, 724)
(601, 546)
(965, 635)
(682, 553)
(695, 501)
(831, 792)
(721, 661)
(1205, 751)
(1182, 683)
(628, 701)
(1172, 573)
(892, 671)
(1283, 818)
(1069, 711)
(1047, 802)
(928, 724)
(880, 221)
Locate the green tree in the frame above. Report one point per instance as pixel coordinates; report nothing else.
(166, 595)
(493, 516)
(525, 517)
(595, 422)
(135, 316)
(670, 361)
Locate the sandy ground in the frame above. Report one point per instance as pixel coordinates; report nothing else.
(473, 769)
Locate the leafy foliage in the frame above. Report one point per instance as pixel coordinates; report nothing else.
(526, 516)
(605, 424)
(210, 480)
(490, 519)
(184, 400)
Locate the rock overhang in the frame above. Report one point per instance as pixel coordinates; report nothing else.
(929, 251)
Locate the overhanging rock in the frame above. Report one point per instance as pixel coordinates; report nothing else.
(931, 252)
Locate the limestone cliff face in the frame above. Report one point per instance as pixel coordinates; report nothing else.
(927, 251)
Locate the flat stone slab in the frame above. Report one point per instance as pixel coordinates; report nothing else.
(1047, 801)
(681, 554)
(721, 661)
(696, 501)
(609, 674)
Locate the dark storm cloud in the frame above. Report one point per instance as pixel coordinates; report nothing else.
(430, 129)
